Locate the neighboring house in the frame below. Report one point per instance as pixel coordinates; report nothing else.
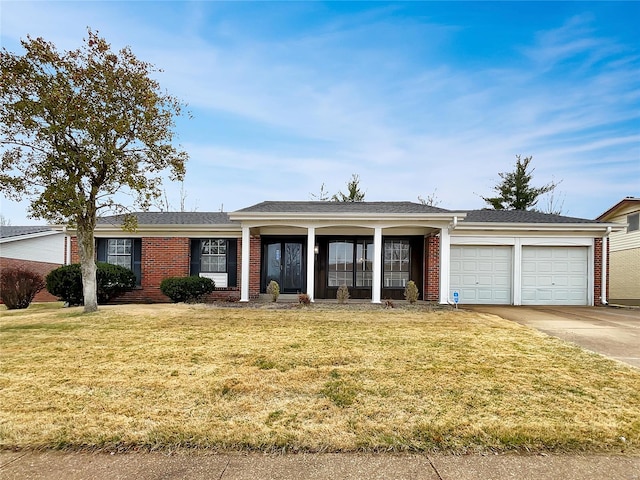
(624, 259)
(375, 248)
(37, 248)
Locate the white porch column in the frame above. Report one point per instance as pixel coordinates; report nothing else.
(445, 264)
(376, 291)
(246, 244)
(311, 261)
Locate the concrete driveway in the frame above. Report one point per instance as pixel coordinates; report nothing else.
(611, 331)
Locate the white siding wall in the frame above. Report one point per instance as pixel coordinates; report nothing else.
(49, 248)
(624, 240)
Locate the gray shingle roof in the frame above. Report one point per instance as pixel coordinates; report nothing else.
(17, 231)
(222, 218)
(172, 218)
(519, 216)
(341, 207)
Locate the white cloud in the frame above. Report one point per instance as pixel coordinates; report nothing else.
(370, 94)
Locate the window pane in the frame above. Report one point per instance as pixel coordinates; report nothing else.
(340, 271)
(634, 222)
(364, 264)
(213, 256)
(396, 263)
(119, 252)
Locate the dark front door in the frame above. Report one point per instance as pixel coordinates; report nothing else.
(283, 263)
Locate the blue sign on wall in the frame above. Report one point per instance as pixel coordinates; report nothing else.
(456, 297)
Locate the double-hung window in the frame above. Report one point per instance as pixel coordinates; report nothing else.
(634, 222)
(119, 252)
(215, 258)
(396, 263)
(125, 252)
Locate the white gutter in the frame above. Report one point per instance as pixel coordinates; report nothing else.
(309, 216)
(551, 227)
(603, 286)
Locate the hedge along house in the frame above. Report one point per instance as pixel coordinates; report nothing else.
(375, 248)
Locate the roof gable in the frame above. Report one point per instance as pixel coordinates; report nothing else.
(628, 202)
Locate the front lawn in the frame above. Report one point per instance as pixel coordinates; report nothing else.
(307, 379)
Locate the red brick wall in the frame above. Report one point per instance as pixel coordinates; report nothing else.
(597, 272)
(41, 268)
(164, 257)
(254, 266)
(432, 269)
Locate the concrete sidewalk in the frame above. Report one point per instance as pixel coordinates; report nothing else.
(148, 466)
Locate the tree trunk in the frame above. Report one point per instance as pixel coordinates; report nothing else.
(86, 251)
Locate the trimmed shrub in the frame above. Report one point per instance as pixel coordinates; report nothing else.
(18, 286)
(273, 289)
(186, 289)
(411, 292)
(342, 295)
(304, 299)
(66, 284)
(111, 282)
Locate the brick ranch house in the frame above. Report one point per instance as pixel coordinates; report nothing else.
(375, 248)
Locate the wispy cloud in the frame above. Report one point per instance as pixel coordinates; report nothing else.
(289, 96)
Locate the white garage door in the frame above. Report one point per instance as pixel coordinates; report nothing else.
(481, 274)
(554, 275)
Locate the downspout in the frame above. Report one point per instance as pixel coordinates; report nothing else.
(67, 246)
(603, 287)
(452, 227)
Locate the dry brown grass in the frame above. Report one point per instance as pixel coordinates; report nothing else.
(311, 379)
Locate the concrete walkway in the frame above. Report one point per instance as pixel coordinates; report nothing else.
(148, 466)
(610, 331)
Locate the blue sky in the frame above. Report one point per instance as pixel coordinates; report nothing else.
(417, 98)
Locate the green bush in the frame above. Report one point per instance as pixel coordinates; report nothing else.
(186, 289)
(111, 282)
(18, 286)
(411, 292)
(66, 284)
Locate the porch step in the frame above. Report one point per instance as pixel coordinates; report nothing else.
(284, 298)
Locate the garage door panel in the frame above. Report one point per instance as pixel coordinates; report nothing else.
(502, 267)
(561, 267)
(484, 274)
(554, 275)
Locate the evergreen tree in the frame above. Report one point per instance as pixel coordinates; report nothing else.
(515, 191)
(354, 194)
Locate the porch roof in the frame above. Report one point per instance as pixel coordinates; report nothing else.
(341, 207)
